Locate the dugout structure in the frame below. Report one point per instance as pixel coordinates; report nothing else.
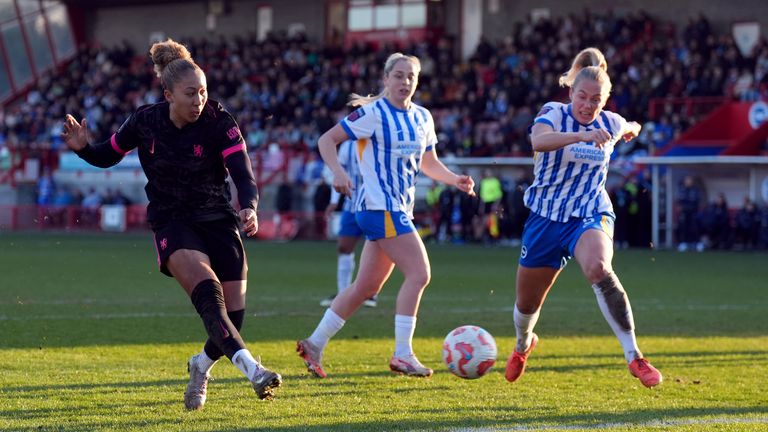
(738, 177)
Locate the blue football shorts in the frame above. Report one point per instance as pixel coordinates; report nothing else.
(547, 243)
(348, 226)
(379, 224)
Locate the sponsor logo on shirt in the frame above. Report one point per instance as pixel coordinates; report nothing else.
(233, 133)
(198, 149)
(356, 114)
(544, 110)
(580, 152)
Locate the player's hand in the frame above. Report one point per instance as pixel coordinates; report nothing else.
(597, 136)
(75, 134)
(465, 184)
(342, 183)
(250, 221)
(329, 210)
(633, 130)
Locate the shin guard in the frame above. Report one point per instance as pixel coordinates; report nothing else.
(208, 298)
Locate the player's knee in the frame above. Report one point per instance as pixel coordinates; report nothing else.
(597, 271)
(420, 278)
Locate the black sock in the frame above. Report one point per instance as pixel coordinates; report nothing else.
(211, 350)
(208, 298)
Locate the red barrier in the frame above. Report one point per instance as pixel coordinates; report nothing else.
(273, 226)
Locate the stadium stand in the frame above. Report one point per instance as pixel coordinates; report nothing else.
(286, 90)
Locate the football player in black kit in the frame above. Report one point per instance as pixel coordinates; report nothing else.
(186, 145)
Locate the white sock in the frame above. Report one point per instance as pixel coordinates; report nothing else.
(346, 266)
(626, 337)
(204, 363)
(404, 327)
(243, 360)
(524, 324)
(326, 329)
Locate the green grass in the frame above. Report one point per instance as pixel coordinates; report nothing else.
(93, 338)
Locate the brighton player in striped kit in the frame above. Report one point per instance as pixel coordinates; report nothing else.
(571, 214)
(394, 140)
(349, 231)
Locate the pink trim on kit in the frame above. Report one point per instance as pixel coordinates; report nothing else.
(115, 147)
(154, 241)
(233, 149)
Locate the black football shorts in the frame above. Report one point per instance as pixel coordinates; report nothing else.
(219, 239)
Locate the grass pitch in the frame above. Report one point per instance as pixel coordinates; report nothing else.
(93, 337)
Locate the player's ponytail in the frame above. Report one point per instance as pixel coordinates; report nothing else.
(172, 61)
(358, 100)
(588, 64)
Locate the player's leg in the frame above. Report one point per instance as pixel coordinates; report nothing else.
(594, 253)
(229, 262)
(542, 257)
(234, 300)
(347, 236)
(410, 257)
(531, 288)
(200, 365)
(201, 283)
(375, 269)
(346, 262)
(345, 265)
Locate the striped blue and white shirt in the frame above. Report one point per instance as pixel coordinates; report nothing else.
(570, 181)
(390, 143)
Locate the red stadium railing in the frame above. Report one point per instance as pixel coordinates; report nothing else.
(273, 225)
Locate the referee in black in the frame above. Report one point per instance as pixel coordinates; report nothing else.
(186, 145)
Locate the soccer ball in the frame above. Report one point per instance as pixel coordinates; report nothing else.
(469, 352)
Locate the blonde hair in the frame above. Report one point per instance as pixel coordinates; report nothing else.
(172, 61)
(358, 100)
(588, 64)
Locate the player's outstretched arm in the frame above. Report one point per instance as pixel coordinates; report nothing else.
(435, 169)
(75, 135)
(631, 131)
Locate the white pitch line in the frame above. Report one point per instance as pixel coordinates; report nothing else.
(24, 316)
(598, 426)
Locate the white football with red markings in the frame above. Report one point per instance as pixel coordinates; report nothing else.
(469, 351)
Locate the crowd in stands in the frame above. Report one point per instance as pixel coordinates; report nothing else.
(703, 225)
(288, 90)
(285, 91)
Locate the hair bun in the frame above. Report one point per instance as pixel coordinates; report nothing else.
(163, 53)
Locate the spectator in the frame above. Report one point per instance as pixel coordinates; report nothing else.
(46, 189)
(688, 202)
(91, 203)
(491, 194)
(716, 224)
(748, 221)
(445, 204)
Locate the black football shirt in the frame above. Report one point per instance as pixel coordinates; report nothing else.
(184, 167)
